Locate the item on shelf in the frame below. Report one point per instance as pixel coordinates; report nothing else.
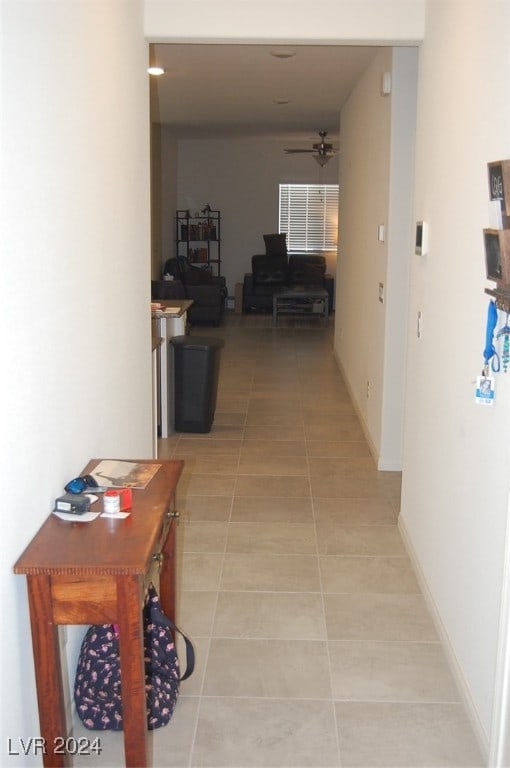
(198, 238)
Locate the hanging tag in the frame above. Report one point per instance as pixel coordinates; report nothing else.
(485, 389)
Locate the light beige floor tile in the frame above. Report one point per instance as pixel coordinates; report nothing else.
(272, 538)
(206, 507)
(333, 539)
(224, 416)
(343, 467)
(385, 735)
(273, 465)
(393, 671)
(378, 617)
(365, 486)
(338, 512)
(276, 573)
(202, 536)
(277, 510)
(294, 432)
(191, 446)
(211, 485)
(275, 485)
(231, 412)
(335, 449)
(201, 570)
(221, 431)
(196, 612)
(368, 574)
(333, 433)
(270, 615)
(271, 403)
(345, 419)
(267, 449)
(274, 419)
(262, 733)
(254, 668)
(217, 464)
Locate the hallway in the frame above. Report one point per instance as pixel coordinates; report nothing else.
(314, 644)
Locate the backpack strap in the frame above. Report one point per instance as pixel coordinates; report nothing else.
(157, 615)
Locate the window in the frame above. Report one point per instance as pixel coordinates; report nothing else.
(309, 216)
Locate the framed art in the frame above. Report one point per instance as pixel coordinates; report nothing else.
(497, 255)
(499, 183)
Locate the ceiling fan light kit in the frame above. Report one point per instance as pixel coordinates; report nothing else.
(321, 159)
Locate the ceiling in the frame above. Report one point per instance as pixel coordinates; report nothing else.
(220, 91)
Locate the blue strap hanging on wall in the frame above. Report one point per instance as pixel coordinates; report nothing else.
(489, 353)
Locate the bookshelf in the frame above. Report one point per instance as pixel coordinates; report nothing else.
(198, 238)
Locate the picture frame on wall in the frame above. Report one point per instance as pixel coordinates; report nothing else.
(497, 255)
(499, 184)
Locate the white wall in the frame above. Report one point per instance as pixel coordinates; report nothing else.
(240, 178)
(457, 453)
(376, 181)
(74, 295)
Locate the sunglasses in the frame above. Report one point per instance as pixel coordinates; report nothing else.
(81, 484)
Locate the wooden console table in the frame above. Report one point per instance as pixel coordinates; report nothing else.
(96, 573)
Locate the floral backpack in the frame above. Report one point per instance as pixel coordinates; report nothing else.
(98, 685)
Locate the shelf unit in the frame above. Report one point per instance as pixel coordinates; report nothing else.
(198, 239)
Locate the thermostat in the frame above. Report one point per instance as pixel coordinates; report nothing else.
(421, 243)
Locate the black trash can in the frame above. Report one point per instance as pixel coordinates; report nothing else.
(196, 362)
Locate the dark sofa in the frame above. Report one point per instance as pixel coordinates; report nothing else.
(271, 273)
(207, 291)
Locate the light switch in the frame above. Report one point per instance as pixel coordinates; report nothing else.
(380, 233)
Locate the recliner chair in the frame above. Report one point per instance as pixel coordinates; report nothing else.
(207, 291)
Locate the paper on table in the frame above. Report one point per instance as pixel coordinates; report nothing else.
(111, 473)
(86, 517)
(116, 515)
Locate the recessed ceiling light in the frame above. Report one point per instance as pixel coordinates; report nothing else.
(283, 53)
(156, 71)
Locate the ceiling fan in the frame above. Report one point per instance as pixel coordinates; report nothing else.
(321, 151)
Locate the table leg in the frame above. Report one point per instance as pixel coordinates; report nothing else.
(134, 701)
(163, 377)
(168, 575)
(48, 671)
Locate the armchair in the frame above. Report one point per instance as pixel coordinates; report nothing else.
(207, 291)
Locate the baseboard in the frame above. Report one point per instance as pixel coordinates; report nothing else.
(451, 658)
(383, 464)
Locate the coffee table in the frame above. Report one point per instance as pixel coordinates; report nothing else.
(301, 300)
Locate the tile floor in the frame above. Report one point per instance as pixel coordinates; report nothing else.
(313, 642)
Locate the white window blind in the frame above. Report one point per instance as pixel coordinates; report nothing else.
(309, 216)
